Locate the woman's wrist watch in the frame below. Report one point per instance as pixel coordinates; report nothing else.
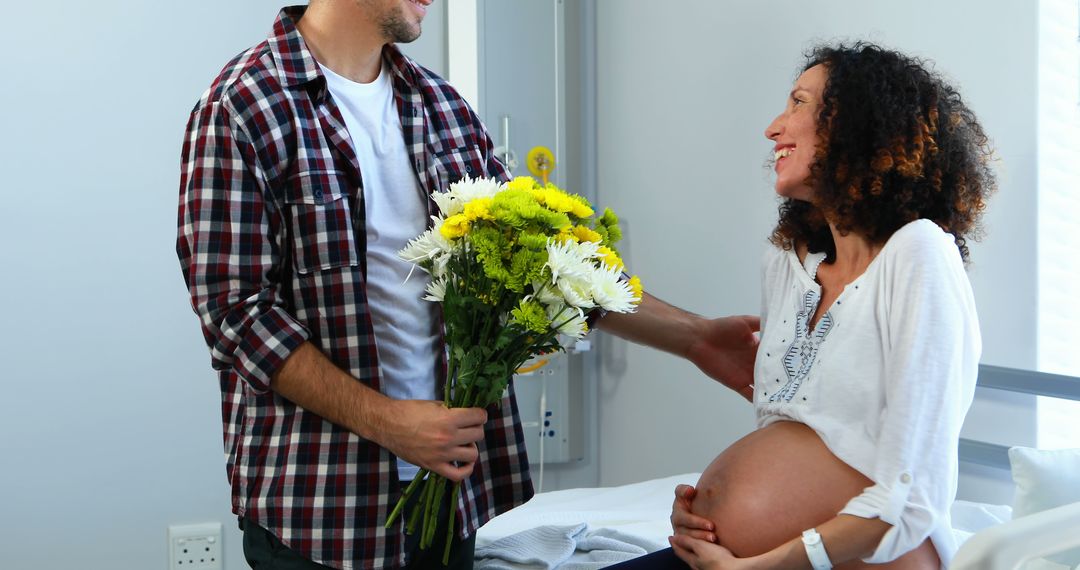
(815, 550)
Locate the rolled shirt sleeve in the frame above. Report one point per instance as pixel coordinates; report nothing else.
(933, 350)
(228, 252)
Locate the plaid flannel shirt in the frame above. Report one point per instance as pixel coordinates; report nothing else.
(271, 243)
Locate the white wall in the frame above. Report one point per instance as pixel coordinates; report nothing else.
(110, 427)
(684, 94)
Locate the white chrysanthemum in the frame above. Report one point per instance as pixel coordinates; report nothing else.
(439, 266)
(472, 188)
(453, 201)
(570, 259)
(546, 294)
(569, 320)
(611, 292)
(427, 246)
(576, 291)
(436, 290)
(445, 202)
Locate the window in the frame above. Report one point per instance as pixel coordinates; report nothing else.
(1059, 214)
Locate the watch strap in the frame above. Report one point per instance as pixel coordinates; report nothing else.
(815, 550)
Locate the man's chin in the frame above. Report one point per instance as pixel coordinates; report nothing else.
(407, 38)
(398, 29)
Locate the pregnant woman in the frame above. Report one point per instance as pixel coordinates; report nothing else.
(870, 342)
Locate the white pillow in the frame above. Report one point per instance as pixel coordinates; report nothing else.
(1046, 479)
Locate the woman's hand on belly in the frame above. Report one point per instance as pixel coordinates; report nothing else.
(684, 522)
(703, 555)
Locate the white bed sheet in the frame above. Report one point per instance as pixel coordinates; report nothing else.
(642, 511)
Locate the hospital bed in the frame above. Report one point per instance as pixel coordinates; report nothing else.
(594, 527)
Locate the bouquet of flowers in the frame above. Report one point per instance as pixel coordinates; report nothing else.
(515, 266)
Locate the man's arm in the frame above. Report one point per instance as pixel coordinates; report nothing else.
(422, 432)
(723, 348)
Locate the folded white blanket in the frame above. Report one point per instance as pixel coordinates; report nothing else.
(574, 547)
(639, 510)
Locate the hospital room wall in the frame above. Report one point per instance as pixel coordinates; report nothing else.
(684, 93)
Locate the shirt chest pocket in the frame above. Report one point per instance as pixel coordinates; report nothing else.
(454, 165)
(320, 221)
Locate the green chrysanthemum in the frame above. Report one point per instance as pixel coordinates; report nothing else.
(526, 266)
(519, 209)
(535, 241)
(531, 316)
(607, 226)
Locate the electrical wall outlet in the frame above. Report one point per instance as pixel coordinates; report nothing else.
(195, 547)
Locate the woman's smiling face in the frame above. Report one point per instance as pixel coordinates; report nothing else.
(794, 133)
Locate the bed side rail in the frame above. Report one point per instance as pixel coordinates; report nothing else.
(1019, 381)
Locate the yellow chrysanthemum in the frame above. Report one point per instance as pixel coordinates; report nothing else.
(608, 256)
(521, 183)
(635, 287)
(479, 208)
(455, 226)
(566, 235)
(583, 233)
(558, 201)
(580, 208)
(537, 194)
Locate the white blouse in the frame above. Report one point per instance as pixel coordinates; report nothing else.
(885, 378)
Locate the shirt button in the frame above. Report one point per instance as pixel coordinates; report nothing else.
(318, 195)
(905, 478)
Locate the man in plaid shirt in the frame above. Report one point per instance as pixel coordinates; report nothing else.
(306, 166)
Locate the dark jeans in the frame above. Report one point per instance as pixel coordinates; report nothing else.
(264, 551)
(659, 560)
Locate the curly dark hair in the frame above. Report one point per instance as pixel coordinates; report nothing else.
(895, 144)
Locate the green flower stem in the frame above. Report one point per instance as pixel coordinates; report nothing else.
(463, 397)
(451, 524)
(462, 391)
(519, 354)
(405, 496)
(467, 262)
(428, 514)
(489, 322)
(449, 379)
(414, 516)
(432, 520)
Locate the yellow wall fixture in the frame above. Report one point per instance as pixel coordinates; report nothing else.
(532, 367)
(541, 162)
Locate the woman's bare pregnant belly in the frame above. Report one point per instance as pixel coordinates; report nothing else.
(776, 482)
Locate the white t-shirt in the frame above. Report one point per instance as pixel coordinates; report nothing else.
(406, 334)
(885, 378)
